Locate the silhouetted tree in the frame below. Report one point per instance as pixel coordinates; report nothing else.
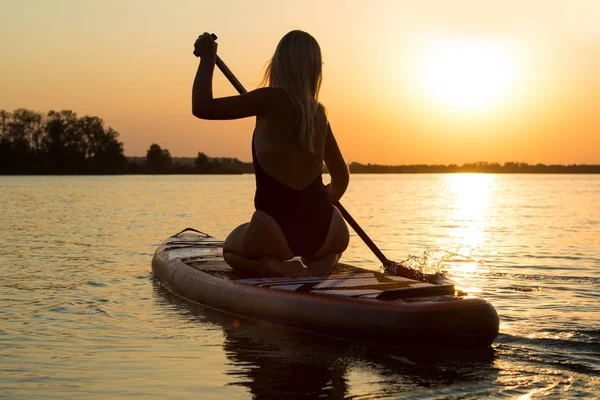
(203, 164)
(5, 144)
(103, 150)
(201, 160)
(108, 156)
(65, 146)
(59, 143)
(20, 139)
(158, 160)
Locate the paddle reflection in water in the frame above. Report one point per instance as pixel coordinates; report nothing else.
(273, 361)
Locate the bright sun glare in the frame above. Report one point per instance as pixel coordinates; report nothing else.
(468, 75)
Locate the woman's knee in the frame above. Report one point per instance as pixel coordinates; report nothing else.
(264, 237)
(341, 235)
(234, 243)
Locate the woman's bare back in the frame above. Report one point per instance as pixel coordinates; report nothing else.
(278, 151)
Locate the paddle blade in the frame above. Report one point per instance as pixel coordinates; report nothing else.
(398, 269)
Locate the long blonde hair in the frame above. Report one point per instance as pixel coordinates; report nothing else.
(296, 67)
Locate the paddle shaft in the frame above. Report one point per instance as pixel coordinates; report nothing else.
(360, 232)
(230, 76)
(351, 221)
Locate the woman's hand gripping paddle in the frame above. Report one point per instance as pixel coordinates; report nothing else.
(390, 267)
(226, 71)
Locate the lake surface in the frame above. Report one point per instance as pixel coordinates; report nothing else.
(80, 315)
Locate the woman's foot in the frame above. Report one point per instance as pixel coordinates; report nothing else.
(266, 266)
(292, 268)
(321, 266)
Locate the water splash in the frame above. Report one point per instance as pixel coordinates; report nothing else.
(430, 267)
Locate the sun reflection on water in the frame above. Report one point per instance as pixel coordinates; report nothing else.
(468, 216)
(470, 193)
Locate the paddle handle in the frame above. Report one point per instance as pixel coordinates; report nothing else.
(361, 233)
(227, 72)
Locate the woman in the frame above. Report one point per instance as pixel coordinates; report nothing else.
(294, 213)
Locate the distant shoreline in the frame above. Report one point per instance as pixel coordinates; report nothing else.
(478, 167)
(184, 165)
(61, 143)
(230, 166)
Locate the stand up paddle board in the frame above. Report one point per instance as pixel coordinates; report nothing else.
(351, 303)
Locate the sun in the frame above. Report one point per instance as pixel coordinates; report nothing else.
(467, 74)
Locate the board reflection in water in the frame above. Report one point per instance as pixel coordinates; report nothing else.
(273, 361)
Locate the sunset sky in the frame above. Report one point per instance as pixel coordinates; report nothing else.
(405, 82)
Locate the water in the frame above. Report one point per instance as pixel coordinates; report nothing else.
(81, 316)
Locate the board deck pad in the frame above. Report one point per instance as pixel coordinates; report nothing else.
(356, 282)
(368, 284)
(345, 280)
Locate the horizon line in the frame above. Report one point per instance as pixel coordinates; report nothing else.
(473, 163)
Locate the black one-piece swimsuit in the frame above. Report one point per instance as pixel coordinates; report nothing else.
(303, 215)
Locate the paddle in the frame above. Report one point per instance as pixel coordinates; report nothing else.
(390, 267)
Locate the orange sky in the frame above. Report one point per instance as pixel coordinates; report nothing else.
(404, 82)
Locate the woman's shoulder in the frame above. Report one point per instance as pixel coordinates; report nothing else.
(269, 93)
(273, 99)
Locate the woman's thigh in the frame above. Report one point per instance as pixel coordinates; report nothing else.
(261, 237)
(337, 238)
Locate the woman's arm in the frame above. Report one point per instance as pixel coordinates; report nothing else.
(203, 104)
(250, 104)
(340, 176)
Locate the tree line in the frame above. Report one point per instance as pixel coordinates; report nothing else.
(60, 142)
(159, 161)
(57, 143)
(478, 167)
